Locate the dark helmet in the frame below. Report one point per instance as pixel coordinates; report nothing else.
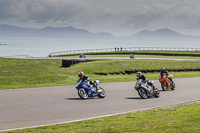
(80, 74)
(138, 74)
(163, 69)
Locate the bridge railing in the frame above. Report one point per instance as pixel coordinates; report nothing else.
(18, 56)
(123, 49)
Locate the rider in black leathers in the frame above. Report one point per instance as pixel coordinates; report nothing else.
(164, 72)
(141, 76)
(144, 78)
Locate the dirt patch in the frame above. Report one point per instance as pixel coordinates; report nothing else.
(124, 64)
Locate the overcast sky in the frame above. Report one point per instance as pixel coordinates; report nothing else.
(118, 17)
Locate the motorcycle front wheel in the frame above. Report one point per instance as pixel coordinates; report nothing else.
(164, 87)
(82, 94)
(142, 93)
(101, 92)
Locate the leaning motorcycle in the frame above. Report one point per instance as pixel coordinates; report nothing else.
(166, 82)
(145, 91)
(86, 90)
(82, 56)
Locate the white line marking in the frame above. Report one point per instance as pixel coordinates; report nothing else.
(100, 116)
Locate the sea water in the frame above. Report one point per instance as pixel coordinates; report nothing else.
(41, 47)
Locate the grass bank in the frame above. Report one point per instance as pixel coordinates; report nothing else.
(23, 73)
(180, 119)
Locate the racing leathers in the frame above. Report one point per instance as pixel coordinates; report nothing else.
(164, 72)
(145, 80)
(86, 79)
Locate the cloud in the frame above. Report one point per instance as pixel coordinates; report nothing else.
(111, 16)
(41, 10)
(157, 16)
(148, 16)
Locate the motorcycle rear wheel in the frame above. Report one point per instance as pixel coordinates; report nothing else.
(173, 84)
(82, 94)
(142, 93)
(157, 93)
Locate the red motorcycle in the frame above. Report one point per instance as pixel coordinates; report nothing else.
(82, 56)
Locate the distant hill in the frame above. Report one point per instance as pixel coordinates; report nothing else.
(53, 32)
(161, 35)
(75, 33)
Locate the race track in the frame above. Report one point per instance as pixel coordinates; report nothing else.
(24, 108)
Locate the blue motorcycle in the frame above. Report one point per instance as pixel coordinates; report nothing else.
(86, 90)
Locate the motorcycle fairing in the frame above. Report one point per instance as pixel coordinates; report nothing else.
(87, 87)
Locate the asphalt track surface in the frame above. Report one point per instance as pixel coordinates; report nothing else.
(25, 108)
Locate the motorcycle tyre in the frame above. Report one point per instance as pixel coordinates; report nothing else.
(164, 87)
(82, 94)
(144, 95)
(157, 93)
(100, 95)
(173, 84)
(173, 88)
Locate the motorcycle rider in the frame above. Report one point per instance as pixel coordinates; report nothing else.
(164, 72)
(132, 56)
(85, 78)
(144, 78)
(82, 55)
(141, 76)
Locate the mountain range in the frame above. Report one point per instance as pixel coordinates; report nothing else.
(75, 33)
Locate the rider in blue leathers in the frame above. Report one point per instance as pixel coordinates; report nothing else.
(86, 79)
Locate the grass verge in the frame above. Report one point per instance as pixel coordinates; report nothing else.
(166, 120)
(22, 73)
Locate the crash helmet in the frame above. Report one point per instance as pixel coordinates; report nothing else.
(80, 74)
(162, 69)
(138, 74)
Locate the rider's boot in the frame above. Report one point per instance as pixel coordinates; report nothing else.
(94, 89)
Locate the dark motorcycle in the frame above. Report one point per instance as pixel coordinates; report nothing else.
(145, 91)
(132, 56)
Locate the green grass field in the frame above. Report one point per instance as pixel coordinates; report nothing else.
(175, 119)
(25, 73)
